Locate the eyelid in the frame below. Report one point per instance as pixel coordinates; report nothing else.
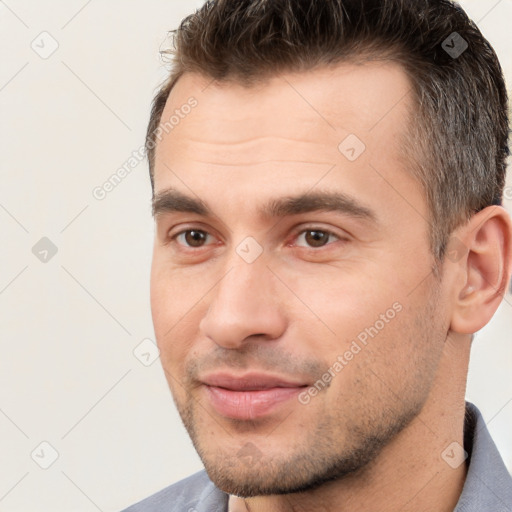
(182, 227)
(315, 227)
(330, 233)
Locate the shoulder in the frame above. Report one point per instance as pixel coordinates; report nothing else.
(197, 493)
(488, 484)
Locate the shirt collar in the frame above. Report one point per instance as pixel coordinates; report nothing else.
(488, 484)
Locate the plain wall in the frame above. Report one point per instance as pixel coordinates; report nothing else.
(70, 325)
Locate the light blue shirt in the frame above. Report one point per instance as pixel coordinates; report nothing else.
(488, 485)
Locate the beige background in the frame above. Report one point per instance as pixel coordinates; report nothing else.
(69, 326)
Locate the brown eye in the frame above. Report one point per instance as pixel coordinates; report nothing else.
(315, 238)
(193, 237)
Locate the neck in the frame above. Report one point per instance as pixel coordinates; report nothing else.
(419, 471)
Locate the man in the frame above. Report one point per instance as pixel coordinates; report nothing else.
(327, 180)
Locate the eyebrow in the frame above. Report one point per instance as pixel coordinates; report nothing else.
(173, 201)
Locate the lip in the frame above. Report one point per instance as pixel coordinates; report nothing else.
(249, 396)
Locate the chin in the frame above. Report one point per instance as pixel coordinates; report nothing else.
(265, 477)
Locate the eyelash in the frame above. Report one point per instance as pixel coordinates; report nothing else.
(329, 233)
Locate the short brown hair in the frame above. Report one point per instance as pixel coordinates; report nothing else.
(457, 145)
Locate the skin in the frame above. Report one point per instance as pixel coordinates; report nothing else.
(395, 406)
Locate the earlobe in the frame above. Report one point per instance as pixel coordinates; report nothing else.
(484, 270)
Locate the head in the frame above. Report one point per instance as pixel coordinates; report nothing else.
(327, 210)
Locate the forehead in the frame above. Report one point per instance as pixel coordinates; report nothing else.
(318, 107)
(289, 129)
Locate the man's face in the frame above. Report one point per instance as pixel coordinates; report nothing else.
(299, 335)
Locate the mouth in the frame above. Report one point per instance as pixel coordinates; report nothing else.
(249, 396)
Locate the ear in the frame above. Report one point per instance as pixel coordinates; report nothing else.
(481, 252)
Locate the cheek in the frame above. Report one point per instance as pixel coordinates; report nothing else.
(363, 322)
(347, 302)
(388, 370)
(176, 309)
(174, 290)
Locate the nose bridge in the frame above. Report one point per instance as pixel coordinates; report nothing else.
(243, 304)
(247, 275)
(245, 289)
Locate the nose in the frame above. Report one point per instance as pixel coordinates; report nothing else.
(244, 306)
